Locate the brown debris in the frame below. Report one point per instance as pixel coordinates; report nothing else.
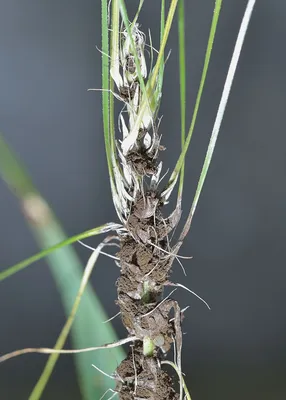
(127, 92)
(150, 382)
(141, 162)
(145, 314)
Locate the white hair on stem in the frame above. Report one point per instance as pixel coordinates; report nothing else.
(167, 252)
(105, 374)
(190, 291)
(101, 252)
(182, 312)
(158, 305)
(110, 319)
(181, 265)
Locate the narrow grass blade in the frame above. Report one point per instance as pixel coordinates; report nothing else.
(163, 43)
(173, 365)
(221, 110)
(67, 272)
(182, 68)
(105, 85)
(114, 60)
(162, 29)
(28, 261)
(138, 12)
(114, 54)
(180, 162)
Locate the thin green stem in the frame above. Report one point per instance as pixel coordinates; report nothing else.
(168, 25)
(181, 159)
(138, 12)
(173, 365)
(162, 28)
(182, 62)
(220, 112)
(105, 85)
(28, 261)
(114, 53)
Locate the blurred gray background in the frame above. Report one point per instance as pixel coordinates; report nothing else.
(48, 60)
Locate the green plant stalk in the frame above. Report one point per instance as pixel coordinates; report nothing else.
(182, 67)
(107, 99)
(105, 87)
(114, 48)
(181, 159)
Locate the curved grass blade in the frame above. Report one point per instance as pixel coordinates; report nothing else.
(28, 261)
(67, 272)
(179, 164)
(220, 113)
(182, 68)
(173, 365)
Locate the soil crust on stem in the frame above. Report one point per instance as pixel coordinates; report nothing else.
(145, 265)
